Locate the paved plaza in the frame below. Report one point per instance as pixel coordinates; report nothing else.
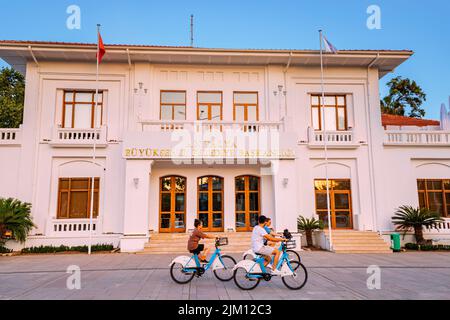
(143, 277)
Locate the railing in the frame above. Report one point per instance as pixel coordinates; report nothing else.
(10, 136)
(442, 228)
(63, 137)
(170, 126)
(417, 138)
(73, 226)
(333, 139)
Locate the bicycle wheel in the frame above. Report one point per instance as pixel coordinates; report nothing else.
(299, 279)
(227, 273)
(242, 280)
(179, 275)
(293, 255)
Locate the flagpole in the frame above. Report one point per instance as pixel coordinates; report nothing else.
(94, 153)
(325, 138)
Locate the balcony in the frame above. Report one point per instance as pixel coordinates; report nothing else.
(73, 227)
(417, 138)
(332, 139)
(79, 138)
(10, 137)
(196, 126)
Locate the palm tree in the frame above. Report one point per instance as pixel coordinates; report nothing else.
(15, 219)
(407, 218)
(308, 226)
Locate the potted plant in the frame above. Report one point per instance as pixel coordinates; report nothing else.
(15, 220)
(308, 226)
(408, 218)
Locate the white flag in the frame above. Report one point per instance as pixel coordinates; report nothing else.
(329, 46)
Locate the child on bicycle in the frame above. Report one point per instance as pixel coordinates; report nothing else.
(193, 243)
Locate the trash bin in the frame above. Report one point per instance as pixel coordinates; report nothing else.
(396, 243)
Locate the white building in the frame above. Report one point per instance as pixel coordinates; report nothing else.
(152, 95)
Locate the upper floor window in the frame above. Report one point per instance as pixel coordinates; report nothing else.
(173, 105)
(246, 106)
(334, 113)
(435, 196)
(79, 110)
(209, 106)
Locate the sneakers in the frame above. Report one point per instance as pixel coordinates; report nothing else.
(276, 272)
(269, 266)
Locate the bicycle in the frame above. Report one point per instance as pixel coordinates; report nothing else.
(293, 255)
(248, 274)
(183, 269)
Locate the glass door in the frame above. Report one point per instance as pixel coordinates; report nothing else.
(340, 201)
(172, 205)
(247, 203)
(210, 203)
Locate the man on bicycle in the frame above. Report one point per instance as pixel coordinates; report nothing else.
(258, 236)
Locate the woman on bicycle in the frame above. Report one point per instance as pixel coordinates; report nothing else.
(193, 243)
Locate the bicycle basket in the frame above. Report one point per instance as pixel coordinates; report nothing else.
(222, 242)
(291, 244)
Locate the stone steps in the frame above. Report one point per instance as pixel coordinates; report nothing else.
(348, 241)
(177, 243)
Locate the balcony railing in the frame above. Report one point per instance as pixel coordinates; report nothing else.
(75, 227)
(417, 138)
(442, 228)
(10, 137)
(170, 126)
(63, 137)
(332, 139)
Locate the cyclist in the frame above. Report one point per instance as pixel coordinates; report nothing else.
(258, 236)
(270, 231)
(193, 243)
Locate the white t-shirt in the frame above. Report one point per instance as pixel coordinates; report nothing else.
(258, 238)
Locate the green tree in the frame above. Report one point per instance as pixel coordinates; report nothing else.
(408, 218)
(12, 93)
(15, 220)
(308, 226)
(404, 94)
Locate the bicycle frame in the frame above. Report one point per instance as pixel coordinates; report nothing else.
(217, 254)
(260, 262)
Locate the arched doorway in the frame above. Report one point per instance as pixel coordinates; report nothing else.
(172, 209)
(248, 202)
(210, 206)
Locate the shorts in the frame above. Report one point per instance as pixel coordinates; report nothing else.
(199, 249)
(266, 251)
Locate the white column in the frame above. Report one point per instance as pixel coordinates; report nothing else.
(284, 181)
(229, 203)
(136, 216)
(191, 202)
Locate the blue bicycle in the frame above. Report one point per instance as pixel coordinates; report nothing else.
(248, 274)
(183, 269)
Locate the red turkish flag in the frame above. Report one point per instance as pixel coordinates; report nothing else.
(101, 49)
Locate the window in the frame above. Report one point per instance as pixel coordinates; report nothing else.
(435, 196)
(210, 203)
(334, 113)
(173, 105)
(340, 203)
(247, 202)
(74, 199)
(209, 106)
(246, 107)
(172, 204)
(78, 110)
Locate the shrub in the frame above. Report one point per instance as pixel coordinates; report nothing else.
(4, 250)
(308, 226)
(62, 248)
(412, 246)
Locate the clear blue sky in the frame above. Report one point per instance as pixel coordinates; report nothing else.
(422, 26)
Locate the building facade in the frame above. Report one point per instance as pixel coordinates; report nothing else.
(221, 135)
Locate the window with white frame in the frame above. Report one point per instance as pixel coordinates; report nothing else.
(79, 109)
